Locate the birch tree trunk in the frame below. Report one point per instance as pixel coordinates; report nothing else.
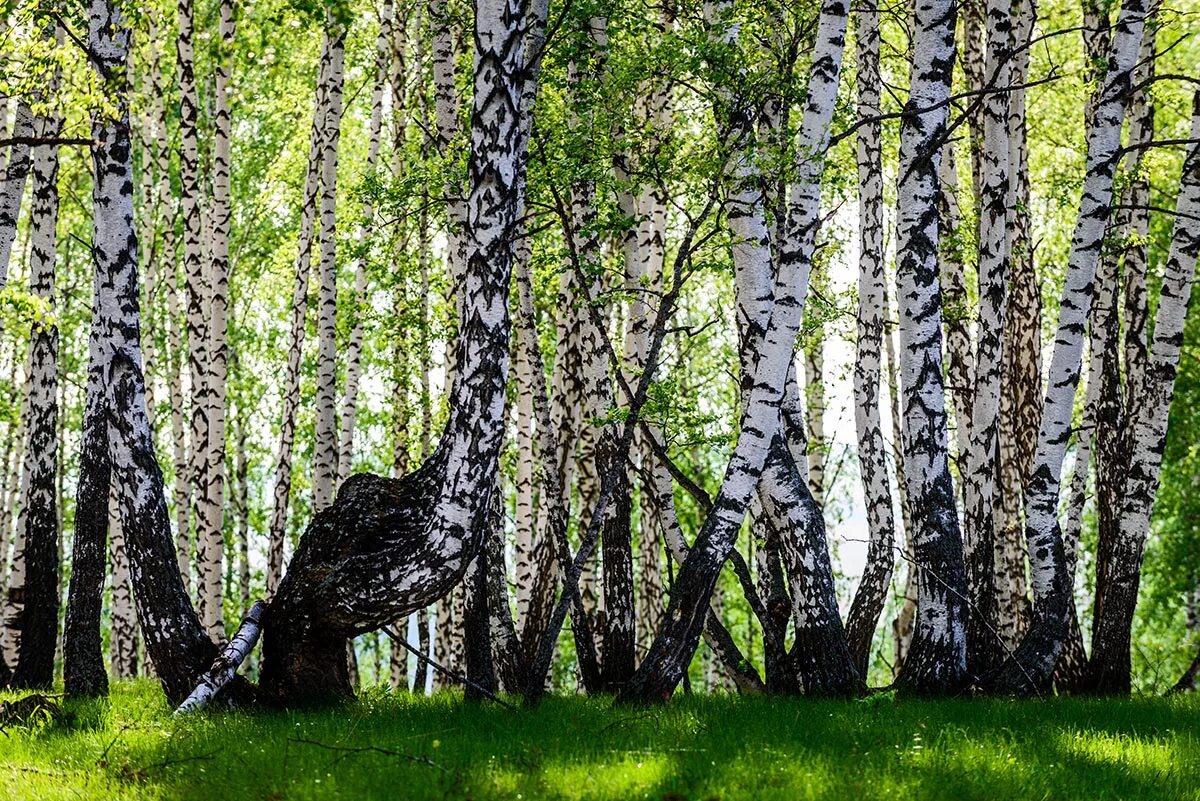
(122, 632)
(1115, 607)
(175, 641)
(872, 589)
(210, 502)
(664, 665)
(383, 55)
(387, 547)
(325, 456)
(299, 307)
(936, 662)
(1021, 374)
(981, 467)
(12, 187)
(1031, 666)
(37, 522)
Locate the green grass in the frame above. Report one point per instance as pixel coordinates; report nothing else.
(129, 747)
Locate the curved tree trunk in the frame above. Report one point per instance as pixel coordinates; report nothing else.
(1030, 668)
(388, 547)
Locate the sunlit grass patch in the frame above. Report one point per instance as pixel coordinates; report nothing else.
(394, 746)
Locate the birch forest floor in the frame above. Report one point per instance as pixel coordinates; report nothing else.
(400, 748)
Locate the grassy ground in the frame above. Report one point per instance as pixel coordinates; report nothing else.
(400, 748)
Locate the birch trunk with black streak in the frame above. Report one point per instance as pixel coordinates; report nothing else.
(175, 641)
(383, 55)
(937, 659)
(1031, 666)
(210, 503)
(388, 547)
(980, 468)
(37, 521)
(122, 616)
(1021, 375)
(1110, 665)
(281, 492)
(12, 187)
(872, 589)
(664, 665)
(325, 450)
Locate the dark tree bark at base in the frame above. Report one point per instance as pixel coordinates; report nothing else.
(363, 563)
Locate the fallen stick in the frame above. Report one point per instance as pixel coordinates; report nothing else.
(403, 643)
(225, 666)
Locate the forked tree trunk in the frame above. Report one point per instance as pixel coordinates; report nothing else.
(1031, 667)
(1148, 433)
(388, 547)
(664, 666)
(872, 589)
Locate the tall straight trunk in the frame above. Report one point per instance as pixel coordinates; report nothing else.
(956, 312)
(665, 664)
(37, 522)
(122, 631)
(281, 492)
(165, 255)
(1110, 664)
(814, 405)
(83, 665)
(1031, 666)
(981, 464)
(199, 297)
(325, 456)
(175, 641)
(871, 594)
(383, 55)
(936, 662)
(210, 538)
(1021, 374)
(12, 185)
(241, 509)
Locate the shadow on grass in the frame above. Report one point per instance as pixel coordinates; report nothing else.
(401, 747)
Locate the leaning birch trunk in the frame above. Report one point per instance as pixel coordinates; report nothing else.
(1031, 667)
(1148, 430)
(980, 468)
(175, 641)
(663, 667)
(37, 521)
(871, 594)
(386, 547)
(936, 662)
(325, 456)
(281, 492)
(228, 661)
